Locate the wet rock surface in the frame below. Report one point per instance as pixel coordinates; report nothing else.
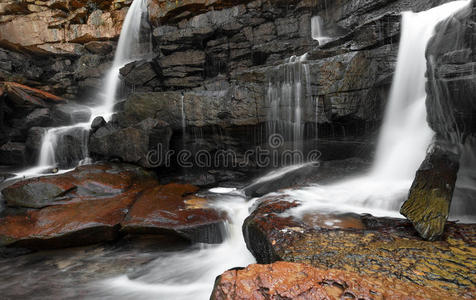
(285, 280)
(85, 182)
(163, 209)
(451, 83)
(429, 201)
(148, 142)
(101, 202)
(363, 244)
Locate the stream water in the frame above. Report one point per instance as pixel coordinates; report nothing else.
(402, 146)
(405, 137)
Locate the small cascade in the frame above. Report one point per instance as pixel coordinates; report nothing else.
(287, 96)
(66, 147)
(132, 46)
(184, 118)
(317, 30)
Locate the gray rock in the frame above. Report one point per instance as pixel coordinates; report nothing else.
(97, 123)
(13, 154)
(142, 140)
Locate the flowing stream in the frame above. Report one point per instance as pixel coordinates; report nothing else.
(402, 146)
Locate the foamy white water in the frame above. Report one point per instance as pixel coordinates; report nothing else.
(189, 274)
(287, 95)
(317, 30)
(405, 135)
(129, 49)
(279, 173)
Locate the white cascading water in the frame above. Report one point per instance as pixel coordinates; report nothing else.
(405, 135)
(189, 274)
(317, 30)
(286, 98)
(129, 48)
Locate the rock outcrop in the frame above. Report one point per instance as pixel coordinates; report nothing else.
(285, 280)
(59, 27)
(451, 59)
(147, 142)
(21, 109)
(428, 205)
(163, 209)
(101, 202)
(363, 244)
(85, 182)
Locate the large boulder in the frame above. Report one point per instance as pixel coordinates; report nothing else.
(85, 182)
(363, 244)
(285, 280)
(147, 142)
(166, 210)
(72, 224)
(429, 201)
(101, 202)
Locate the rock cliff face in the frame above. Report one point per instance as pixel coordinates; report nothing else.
(214, 63)
(60, 46)
(221, 56)
(451, 78)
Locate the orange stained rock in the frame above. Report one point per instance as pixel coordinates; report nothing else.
(285, 280)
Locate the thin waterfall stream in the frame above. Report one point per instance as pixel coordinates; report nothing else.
(131, 47)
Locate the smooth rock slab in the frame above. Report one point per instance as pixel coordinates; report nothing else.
(285, 280)
(165, 210)
(429, 201)
(364, 244)
(73, 224)
(85, 182)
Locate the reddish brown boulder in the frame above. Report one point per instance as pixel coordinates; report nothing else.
(165, 210)
(73, 224)
(363, 244)
(284, 280)
(96, 181)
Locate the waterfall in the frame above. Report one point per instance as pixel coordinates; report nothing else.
(286, 98)
(317, 30)
(55, 151)
(184, 118)
(129, 48)
(405, 135)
